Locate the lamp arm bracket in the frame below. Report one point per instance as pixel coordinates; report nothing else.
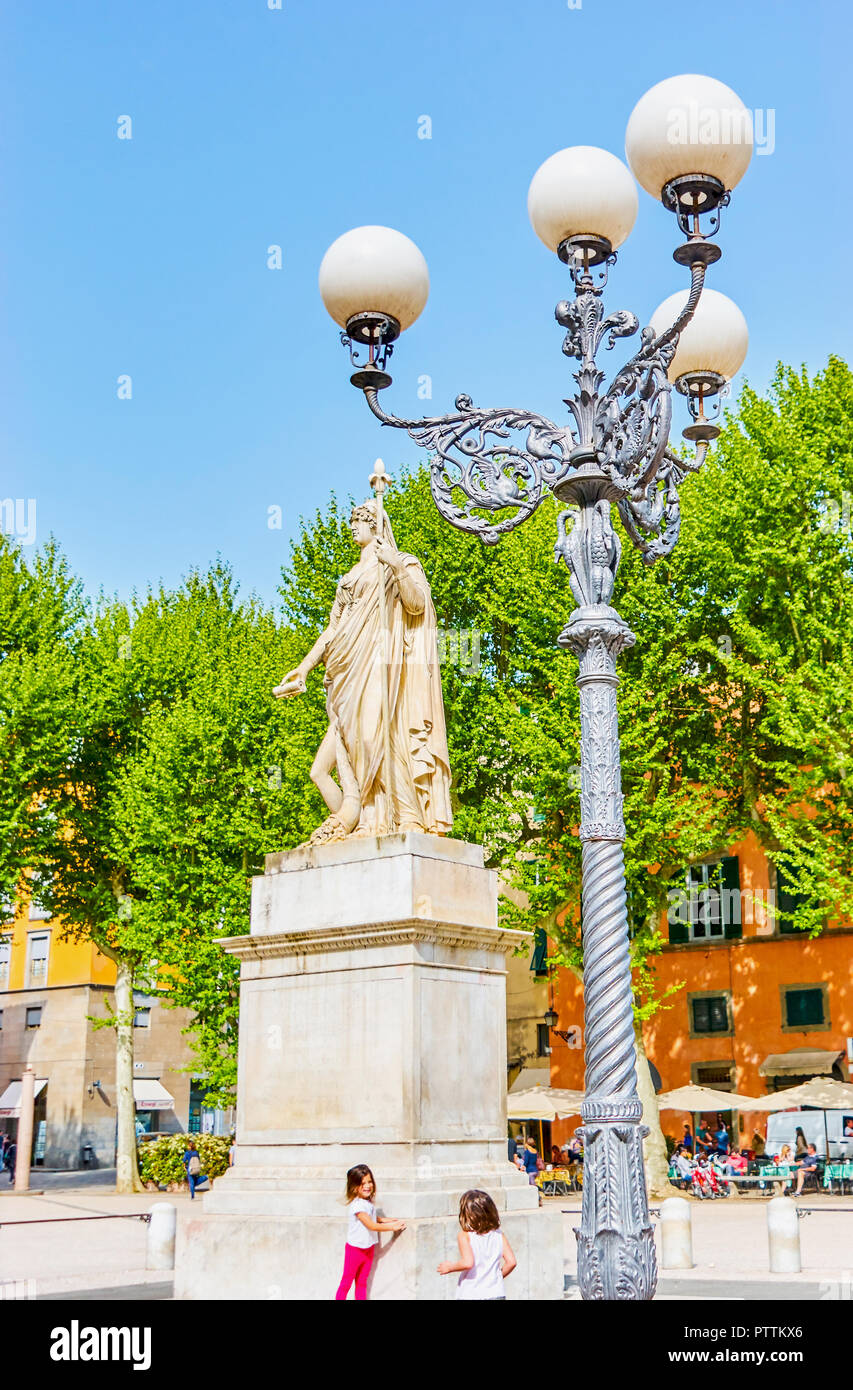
(473, 471)
(634, 415)
(651, 514)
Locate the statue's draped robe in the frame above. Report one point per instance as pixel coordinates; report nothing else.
(355, 669)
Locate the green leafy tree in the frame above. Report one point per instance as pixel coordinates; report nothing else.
(149, 784)
(219, 778)
(735, 708)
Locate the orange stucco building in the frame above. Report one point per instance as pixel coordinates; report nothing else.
(761, 1006)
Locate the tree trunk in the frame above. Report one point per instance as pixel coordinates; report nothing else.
(127, 1170)
(654, 1145)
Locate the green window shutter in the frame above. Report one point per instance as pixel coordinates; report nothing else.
(677, 933)
(730, 889)
(804, 1007)
(539, 960)
(788, 899)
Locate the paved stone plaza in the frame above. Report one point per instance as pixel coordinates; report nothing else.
(58, 1257)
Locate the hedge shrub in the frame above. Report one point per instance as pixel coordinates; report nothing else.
(162, 1160)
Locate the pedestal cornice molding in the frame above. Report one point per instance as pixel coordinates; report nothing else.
(397, 933)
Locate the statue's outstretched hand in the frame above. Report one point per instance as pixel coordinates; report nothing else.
(292, 684)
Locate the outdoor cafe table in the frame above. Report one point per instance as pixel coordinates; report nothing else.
(775, 1172)
(837, 1172)
(781, 1175)
(556, 1182)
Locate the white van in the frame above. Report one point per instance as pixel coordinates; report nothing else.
(816, 1125)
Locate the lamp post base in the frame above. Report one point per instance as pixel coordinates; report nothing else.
(616, 1246)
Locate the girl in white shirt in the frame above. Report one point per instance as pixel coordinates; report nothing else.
(362, 1232)
(485, 1254)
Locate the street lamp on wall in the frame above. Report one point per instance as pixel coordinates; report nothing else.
(688, 143)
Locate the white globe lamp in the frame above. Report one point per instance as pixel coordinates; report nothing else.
(374, 282)
(374, 271)
(582, 199)
(715, 341)
(689, 142)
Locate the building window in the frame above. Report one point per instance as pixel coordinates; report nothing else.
(704, 902)
(543, 1040)
(141, 1010)
(709, 1013)
(804, 1007)
(33, 1019)
(5, 956)
(37, 913)
(1, 1020)
(38, 945)
(718, 1075)
(7, 908)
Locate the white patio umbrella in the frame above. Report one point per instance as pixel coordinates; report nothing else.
(543, 1103)
(696, 1099)
(821, 1093)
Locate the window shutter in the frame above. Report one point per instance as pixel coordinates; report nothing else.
(730, 884)
(539, 961)
(788, 899)
(677, 933)
(804, 1008)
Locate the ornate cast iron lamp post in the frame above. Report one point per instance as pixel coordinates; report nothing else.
(689, 141)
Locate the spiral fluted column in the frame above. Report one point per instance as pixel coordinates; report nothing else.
(616, 1252)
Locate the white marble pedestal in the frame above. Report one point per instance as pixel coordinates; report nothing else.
(372, 1030)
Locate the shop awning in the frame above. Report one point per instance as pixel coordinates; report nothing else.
(150, 1095)
(10, 1101)
(806, 1063)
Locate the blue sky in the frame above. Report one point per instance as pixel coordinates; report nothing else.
(254, 127)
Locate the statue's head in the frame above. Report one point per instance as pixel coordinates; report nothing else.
(363, 524)
(365, 512)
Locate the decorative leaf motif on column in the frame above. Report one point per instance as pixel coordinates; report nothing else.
(616, 1251)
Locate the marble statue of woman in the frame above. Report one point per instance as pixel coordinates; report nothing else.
(372, 797)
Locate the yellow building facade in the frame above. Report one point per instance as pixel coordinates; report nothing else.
(51, 988)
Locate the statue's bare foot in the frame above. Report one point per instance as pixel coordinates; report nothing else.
(332, 829)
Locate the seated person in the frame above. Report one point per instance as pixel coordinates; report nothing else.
(574, 1148)
(718, 1165)
(683, 1165)
(807, 1164)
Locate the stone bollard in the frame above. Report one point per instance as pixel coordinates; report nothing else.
(676, 1234)
(783, 1233)
(160, 1251)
